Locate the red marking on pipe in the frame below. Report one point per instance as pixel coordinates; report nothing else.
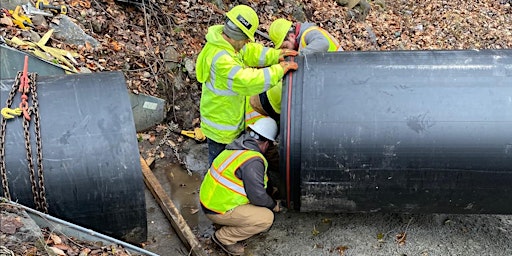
(288, 121)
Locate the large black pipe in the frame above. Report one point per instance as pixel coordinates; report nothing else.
(399, 131)
(91, 167)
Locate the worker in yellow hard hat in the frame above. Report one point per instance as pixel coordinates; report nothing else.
(306, 38)
(232, 67)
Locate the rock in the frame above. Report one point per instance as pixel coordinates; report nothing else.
(196, 156)
(19, 232)
(171, 58)
(39, 20)
(71, 33)
(190, 67)
(11, 4)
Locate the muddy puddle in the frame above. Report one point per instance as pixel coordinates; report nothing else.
(184, 192)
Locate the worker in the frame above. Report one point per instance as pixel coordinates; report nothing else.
(305, 37)
(231, 67)
(233, 193)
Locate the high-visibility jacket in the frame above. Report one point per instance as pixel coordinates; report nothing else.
(228, 77)
(274, 94)
(274, 97)
(334, 45)
(221, 190)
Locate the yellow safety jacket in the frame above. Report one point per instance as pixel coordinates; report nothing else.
(334, 45)
(228, 77)
(221, 190)
(274, 94)
(274, 97)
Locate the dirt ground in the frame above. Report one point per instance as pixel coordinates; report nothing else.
(296, 233)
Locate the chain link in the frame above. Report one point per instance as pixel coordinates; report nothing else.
(38, 188)
(39, 146)
(3, 128)
(30, 162)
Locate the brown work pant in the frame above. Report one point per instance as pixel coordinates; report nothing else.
(242, 222)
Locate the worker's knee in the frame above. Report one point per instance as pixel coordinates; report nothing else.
(265, 220)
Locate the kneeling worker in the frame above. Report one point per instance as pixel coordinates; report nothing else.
(306, 38)
(233, 193)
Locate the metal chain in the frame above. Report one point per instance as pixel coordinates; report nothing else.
(37, 131)
(3, 128)
(30, 162)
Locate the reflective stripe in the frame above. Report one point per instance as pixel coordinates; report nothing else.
(261, 61)
(252, 117)
(231, 75)
(212, 88)
(266, 73)
(230, 159)
(216, 174)
(211, 84)
(220, 126)
(252, 114)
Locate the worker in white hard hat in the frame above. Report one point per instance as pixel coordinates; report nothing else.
(233, 192)
(232, 67)
(306, 38)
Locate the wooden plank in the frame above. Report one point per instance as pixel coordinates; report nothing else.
(173, 214)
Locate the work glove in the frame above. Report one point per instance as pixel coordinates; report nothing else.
(287, 52)
(277, 208)
(8, 113)
(288, 65)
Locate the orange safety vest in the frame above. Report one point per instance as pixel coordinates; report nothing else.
(221, 190)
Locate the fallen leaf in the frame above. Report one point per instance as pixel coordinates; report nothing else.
(55, 238)
(85, 252)
(315, 232)
(58, 251)
(62, 247)
(6, 21)
(400, 238)
(341, 249)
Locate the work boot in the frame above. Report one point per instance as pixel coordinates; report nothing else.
(232, 249)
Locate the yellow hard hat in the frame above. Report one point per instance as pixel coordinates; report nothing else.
(245, 18)
(278, 31)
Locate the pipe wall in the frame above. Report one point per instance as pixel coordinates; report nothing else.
(399, 131)
(92, 172)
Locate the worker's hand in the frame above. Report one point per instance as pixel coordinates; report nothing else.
(287, 52)
(277, 208)
(288, 65)
(8, 113)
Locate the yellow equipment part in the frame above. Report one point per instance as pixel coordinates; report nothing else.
(196, 134)
(8, 113)
(45, 4)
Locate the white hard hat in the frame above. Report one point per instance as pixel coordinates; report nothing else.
(265, 127)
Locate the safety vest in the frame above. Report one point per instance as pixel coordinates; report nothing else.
(251, 115)
(221, 190)
(334, 45)
(227, 82)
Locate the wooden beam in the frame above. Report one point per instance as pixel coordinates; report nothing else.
(173, 214)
